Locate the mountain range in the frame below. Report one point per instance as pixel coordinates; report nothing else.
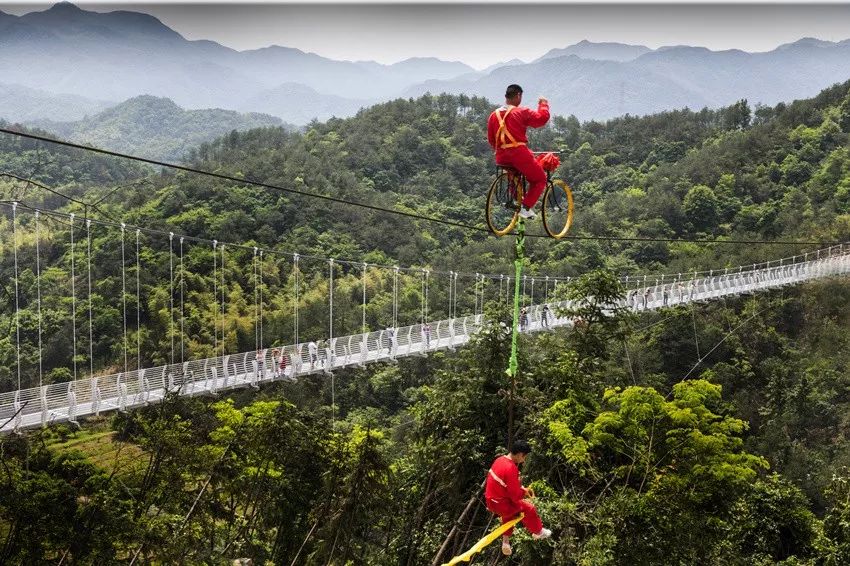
(79, 60)
(667, 78)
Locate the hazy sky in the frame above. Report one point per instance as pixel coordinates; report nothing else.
(481, 34)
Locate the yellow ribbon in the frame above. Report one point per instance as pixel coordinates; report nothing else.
(484, 542)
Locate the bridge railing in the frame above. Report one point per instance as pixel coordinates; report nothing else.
(643, 281)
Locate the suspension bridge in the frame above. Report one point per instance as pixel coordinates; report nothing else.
(91, 392)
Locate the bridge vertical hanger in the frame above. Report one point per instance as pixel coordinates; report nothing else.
(449, 307)
(256, 303)
(171, 296)
(363, 323)
(454, 306)
(38, 291)
(524, 277)
(215, 295)
(223, 307)
(42, 396)
(182, 312)
(17, 298)
(427, 280)
(260, 268)
(73, 302)
(422, 300)
(295, 299)
(328, 361)
(395, 296)
(138, 307)
(91, 324)
(330, 338)
(17, 402)
(480, 290)
(124, 292)
(479, 294)
(476, 291)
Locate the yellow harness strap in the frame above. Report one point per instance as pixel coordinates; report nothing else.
(504, 139)
(481, 544)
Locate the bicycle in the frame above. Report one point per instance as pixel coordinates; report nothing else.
(504, 200)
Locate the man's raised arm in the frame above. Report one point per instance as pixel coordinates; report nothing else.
(541, 116)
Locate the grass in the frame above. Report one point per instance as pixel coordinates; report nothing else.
(102, 449)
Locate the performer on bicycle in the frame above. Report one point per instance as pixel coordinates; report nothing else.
(506, 133)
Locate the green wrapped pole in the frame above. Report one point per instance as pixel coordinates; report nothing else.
(513, 365)
(520, 256)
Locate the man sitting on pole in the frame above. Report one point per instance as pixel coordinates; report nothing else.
(506, 497)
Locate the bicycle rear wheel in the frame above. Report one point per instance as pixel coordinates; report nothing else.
(557, 208)
(503, 203)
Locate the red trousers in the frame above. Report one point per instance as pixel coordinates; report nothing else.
(507, 510)
(521, 159)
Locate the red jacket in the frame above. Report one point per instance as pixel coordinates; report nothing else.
(517, 120)
(503, 481)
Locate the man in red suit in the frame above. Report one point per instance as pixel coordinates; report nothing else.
(507, 498)
(506, 133)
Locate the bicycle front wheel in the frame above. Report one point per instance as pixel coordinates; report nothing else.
(503, 203)
(557, 208)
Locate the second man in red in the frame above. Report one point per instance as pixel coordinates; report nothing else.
(507, 498)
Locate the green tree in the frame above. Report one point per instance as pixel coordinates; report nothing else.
(679, 465)
(701, 207)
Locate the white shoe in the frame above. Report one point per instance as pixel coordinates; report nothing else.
(527, 213)
(544, 533)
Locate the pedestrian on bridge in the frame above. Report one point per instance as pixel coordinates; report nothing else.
(313, 351)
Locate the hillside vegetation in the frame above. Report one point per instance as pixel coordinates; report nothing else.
(711, 434)
(155, 128)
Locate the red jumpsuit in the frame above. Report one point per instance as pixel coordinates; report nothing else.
(511, 144)
(505, 496)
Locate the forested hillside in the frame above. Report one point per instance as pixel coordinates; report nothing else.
(155, 128)
(712, 434)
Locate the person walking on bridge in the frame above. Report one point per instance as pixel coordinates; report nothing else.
(507, 498)
(506, 132)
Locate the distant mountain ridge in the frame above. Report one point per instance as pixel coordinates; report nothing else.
(119, 55)
(156, 128)
(666, 78)
(278, 101)
(605, 51)
(23, 104)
